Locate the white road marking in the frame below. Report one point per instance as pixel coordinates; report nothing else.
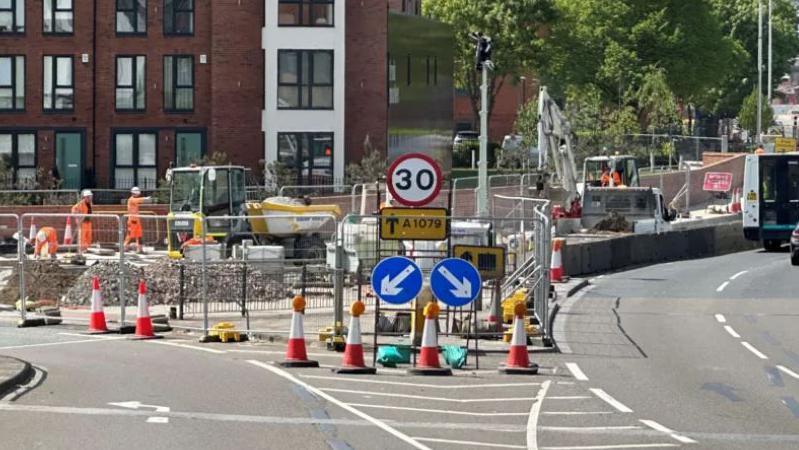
(424, 385)
(422, 397)
(732, 332)
(620, 427)
(469, 443)
(158, 420)
(611, 447)
(663, 429)
(619, 406)
(93, 336)
(721, 318)
(576, 371)
(788, 372)
(382, 425)
(16, 393)
(437, 411)
(738, 274)
(566, 383)
(752, 349)
(575, 413)
(283, 352)
(535, 412)
(569, 397)
(190, 347)
(48, 344)
(723, 286)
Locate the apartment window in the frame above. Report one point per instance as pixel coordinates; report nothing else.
(130, 86)
(131, 16)
(305, 79)
(178, 17)
(135, 160)
(309, 156)
(12, 83)
(179, 83)
(189, 147)
(59, 90)
(305, 13)
(58, 16)
(18, 155)
(12, 16)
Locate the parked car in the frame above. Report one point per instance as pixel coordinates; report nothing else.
(463, 137)
(795, 246)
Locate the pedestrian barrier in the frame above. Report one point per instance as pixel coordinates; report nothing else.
(518, 361)
(296, 355)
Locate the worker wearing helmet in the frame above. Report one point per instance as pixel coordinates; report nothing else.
(46, 242)
(134, 220)
(82, 209)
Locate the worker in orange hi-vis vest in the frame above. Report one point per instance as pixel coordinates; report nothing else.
(46, 243)
(134, 220)
(83, 208)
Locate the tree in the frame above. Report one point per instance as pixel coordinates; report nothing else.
(747, 116)
(515, 27)
(656, 102)
(371, 168)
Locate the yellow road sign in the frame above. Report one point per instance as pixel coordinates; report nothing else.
(784, 145)
(490, 261)
(414, 224)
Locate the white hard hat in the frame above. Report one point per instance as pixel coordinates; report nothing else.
(41, 236)
(135, 190)
(86, 193)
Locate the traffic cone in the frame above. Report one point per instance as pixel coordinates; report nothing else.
(68, 233)
(518, 362)
(556, 271)
(428, 364)
(97, 317)
(32, 232)
(735, 206)
(144, 324)
(296, 355)
(353, 362)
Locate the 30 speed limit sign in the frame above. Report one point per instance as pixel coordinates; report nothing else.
(414, 179)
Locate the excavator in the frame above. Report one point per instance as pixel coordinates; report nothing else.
(610, 184)
(217, 193)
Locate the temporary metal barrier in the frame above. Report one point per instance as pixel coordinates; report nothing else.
(321, 189)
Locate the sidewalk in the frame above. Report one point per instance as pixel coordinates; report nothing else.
(13, 372)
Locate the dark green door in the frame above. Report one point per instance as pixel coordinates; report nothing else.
(69, 159)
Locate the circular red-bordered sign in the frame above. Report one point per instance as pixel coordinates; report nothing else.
(414, 179)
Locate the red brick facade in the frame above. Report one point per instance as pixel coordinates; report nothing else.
(506, 106)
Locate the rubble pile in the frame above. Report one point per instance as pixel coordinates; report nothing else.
(44, 280)
(80, 293)
(614, 222)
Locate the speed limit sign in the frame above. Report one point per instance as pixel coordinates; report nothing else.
(414, 179)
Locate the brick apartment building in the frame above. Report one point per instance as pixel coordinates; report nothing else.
(110, 97)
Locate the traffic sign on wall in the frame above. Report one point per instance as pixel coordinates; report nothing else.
(414, 179)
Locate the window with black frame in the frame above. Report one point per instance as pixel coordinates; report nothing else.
(18, 156)
(179, 83)
(58, 16)
(135, 159)
(305, 79)
(131, 16)
(130, 83)
(12, 83)
(178, 17)
(59, 85)
(306, 13)
(307, 156)
(12, 16)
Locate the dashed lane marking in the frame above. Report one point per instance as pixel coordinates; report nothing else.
(158, 420)
(574, 413)
(425, 385)
(469, 443)
(569, 397)
(619, 406)
(576, 371)
(610, 447)
(788, 372)
(379, 423)
(721, 318)
(663, 429)
(752, 349)
(535, 412)
(422, 397)
(586, 429)
(732, 332)
(192, 347)
(723, 286)
(738, 274)
(437, 411)
(49, 344)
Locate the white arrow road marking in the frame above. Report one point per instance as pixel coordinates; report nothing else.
(137, 405)
(462, 289)
(391, 287)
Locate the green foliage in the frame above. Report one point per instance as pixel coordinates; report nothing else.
(527, 123)
(44, 182)
(371, 168)
(656, 102)
(747, 116)
(279, 175)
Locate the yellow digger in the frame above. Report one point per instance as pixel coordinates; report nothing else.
(217, 193)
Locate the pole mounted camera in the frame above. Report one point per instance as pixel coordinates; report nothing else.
(483, 50)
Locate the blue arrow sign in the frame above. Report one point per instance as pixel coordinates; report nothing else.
(396, 280)
(455, 282)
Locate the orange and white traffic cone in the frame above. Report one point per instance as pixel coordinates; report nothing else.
(97, 317)
(68, 233)
(296, 355)
(518, 362)
(428, 364)
(556, 270)
(735, 206)
(32, 232)
(353, 362)
(144, 324)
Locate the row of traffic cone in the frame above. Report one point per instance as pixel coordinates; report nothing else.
(518, 361)
(97, 322)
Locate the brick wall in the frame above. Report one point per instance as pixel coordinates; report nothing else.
(506, 106)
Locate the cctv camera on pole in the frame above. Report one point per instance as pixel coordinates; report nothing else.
(483, 63)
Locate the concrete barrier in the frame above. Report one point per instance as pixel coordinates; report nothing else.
(583, 256)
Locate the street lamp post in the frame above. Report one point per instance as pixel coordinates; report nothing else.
(759, 72)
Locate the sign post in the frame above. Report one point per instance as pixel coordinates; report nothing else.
(414, 180)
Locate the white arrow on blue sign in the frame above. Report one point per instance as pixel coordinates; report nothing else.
(396, 280)
(455, 282)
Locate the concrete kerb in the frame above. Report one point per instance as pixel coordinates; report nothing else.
(13, 373)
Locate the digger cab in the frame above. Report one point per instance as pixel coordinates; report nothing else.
(623, 165)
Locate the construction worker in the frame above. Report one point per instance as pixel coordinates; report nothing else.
(134, 221)
(605, 177)
(46, 242)
(616, 178)
(760, 150)
(83, 208)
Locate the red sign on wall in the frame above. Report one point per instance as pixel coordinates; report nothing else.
(718, 182)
